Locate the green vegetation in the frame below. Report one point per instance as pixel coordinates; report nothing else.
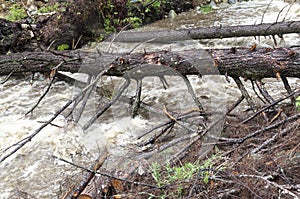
(206, 9)
(114, 19)
(16, 13)
(132, 13)
(134, 21)
(108, 26)
(151, 5)
(63, 47)
(298, 103)
(168, 175)
(52, 8)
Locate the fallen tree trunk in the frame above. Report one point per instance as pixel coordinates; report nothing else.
(266, 29)
(21, 37)
(235, 62)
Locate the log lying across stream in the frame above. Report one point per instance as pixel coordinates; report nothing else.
(236, 62)
(266, 29)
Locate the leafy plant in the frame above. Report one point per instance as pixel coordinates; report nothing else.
(169, 174)
(151, 5)
(63, 47)
(16, 13)
(108, 27)
(134, 21)
(298, 103)
(50, 8)
(156, 169)
(205, 9)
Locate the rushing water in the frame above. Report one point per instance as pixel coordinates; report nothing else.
(33, 168)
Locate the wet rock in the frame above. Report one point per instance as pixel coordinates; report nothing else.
(172, 14)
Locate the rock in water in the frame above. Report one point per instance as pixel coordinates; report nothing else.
(172, 14)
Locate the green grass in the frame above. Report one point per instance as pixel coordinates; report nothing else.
(16, 13)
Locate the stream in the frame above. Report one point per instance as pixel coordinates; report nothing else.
(33, 170)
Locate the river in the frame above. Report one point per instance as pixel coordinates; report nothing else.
(34, 172)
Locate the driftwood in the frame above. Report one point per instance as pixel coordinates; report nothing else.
(235, 62)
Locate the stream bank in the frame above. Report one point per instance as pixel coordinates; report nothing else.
(275, 164)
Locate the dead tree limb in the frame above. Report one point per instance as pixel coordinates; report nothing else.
(220, 32)
(21, 143)
(269, 106)
(108, 105)
(84, 183)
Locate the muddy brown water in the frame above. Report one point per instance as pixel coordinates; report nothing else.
(33, 169)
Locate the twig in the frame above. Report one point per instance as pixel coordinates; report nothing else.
(192, 93)
(106, 174)
(115, 37)
(253, 88)
(78, 40)
(279, 112)
(153, 129)
(281, 12)
(235, 104)
(164, 82)
(18, 145)
(108, 105)
(7, 77)
(201, 134)
(84, 183)
(287, 87)
(289, 119)
(47, 90)
(137, 99)
(167, 145)
(267, 107)
(281, 133)
(266, 179)
(169, 124)
(84, 100)
(263, 91)
(169, 114)
(287, 12)
(245, 93)
(178, 156)
(241, 140)
(180, 123)
(263, 15)
(138, 45)
(156, 136)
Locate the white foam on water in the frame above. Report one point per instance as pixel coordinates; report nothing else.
(34, 170)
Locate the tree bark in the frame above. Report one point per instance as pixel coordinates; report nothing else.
(266, 29)
(21, 36)
(235, 62)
